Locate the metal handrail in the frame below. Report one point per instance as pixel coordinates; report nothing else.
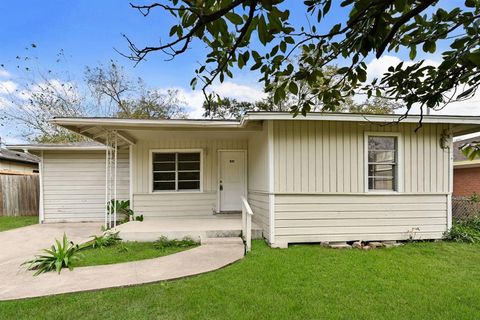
(247, 214)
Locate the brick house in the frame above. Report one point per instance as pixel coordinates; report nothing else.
(466, 173)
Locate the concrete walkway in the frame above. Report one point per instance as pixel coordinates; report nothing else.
(17, 283)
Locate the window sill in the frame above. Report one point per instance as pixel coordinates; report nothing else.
(175, 192)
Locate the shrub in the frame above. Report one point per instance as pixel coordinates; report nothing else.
(163, 242)
(105, 240)
(60, 255)
(465, 231)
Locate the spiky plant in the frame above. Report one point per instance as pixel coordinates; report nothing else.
(60, 255)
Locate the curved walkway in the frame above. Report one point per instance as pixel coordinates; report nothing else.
(17, 283)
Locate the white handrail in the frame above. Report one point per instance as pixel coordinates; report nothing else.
(247, 214)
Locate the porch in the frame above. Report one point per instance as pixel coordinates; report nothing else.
(198, 228)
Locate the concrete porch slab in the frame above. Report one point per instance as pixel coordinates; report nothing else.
(218, 226)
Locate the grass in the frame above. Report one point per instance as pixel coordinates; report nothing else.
(8, 223)
(417, 281)
(123, 252)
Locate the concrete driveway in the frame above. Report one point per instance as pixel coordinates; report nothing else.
(19, 245)
(22, 244)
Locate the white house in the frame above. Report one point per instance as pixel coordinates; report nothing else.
(323, 177)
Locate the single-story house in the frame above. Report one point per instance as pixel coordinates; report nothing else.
(466, 173)
(323, 177)
(16, 162)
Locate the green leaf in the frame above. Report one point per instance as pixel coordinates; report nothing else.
(262, 30)
(429, 46)
(234, 18)
(413, 52)
(293, 88)
(474, 57)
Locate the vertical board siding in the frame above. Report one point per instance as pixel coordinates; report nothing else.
(332, 154)
(258, 177)
(177, 204)
(19, 195)
(74, 184)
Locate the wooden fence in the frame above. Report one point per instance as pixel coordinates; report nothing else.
(19, 195)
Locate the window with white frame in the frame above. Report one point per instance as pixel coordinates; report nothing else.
(176, 171)
(382, 162)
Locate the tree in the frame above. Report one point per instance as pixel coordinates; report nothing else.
(376, 105)
(228, 28)
(39, 95)
(127, 98)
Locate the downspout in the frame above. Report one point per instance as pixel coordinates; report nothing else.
(450, 179)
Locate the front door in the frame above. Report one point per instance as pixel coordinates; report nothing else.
(232, 179)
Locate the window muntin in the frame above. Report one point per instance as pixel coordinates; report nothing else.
(382, 163)
(176, 171)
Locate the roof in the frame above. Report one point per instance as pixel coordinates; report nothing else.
(96, 128)
(459, 159)
(17, 156)
(88, 145)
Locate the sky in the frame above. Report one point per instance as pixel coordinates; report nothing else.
(89, 33)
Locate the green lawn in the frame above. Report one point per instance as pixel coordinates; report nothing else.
(417, 281)
(7, 223)
(123, 252)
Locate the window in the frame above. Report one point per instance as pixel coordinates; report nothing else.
(176, 171)
(382, 163)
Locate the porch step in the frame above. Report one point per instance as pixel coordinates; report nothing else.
(216, 241)
(197, 229)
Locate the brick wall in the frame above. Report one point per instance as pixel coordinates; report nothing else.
(466, 181)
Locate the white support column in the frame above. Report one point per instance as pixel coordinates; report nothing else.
(106, 183)
(115, 153)
(41, 208)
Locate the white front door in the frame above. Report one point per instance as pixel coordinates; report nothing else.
(232, 180)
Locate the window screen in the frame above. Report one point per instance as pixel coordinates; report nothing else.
(382, 163)
(176, 171)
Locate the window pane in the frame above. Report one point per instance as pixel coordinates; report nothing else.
(189, 157)
(189, 185)
(188, 166)
(375, 170)
(163, 157)
(164, 166)
(169, 176)
(159, 186)
(378, 183)
(381, 156)
(381, 143)
(188, 176)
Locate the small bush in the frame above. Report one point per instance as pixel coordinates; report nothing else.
(105, 240)
(60, 255)
(163, 242)
(467, 231)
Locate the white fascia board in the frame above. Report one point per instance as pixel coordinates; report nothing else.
(45, 148)
(361, 117)
(146, 123)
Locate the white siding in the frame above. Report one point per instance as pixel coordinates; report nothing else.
(314, 218)
(258, 179)
(320, 184)
(328, 157)
(74, 184)
(178, 204)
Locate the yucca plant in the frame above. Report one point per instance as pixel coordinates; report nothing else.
(123, 208)
(105, 240)
(60, 255)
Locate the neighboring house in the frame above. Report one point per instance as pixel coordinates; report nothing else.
(466, 173)
(324, 177)
(15, 162)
